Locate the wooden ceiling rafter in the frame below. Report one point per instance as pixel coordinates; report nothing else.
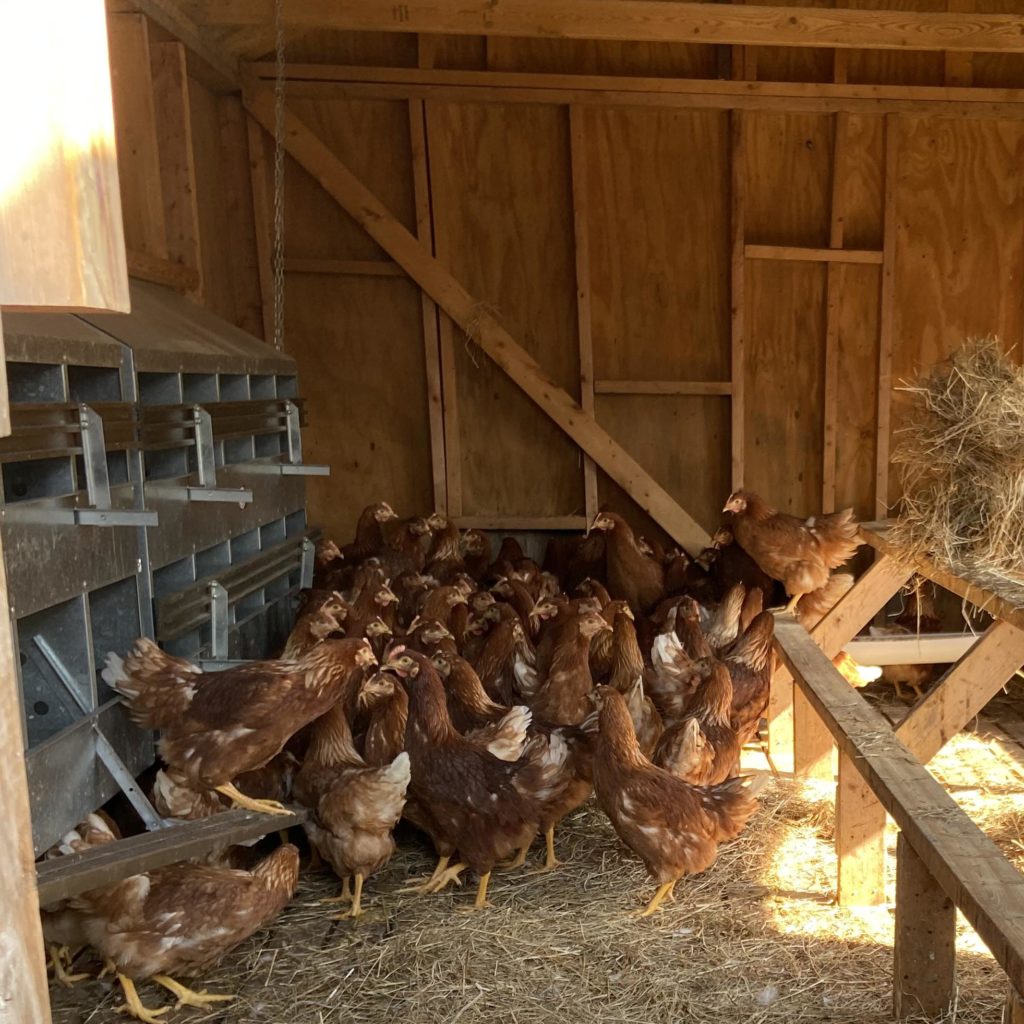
(644, 21)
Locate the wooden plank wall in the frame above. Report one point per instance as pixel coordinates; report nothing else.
(612, 240)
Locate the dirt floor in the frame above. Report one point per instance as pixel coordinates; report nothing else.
(756, 938)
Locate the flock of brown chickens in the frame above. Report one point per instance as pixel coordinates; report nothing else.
(481, 698)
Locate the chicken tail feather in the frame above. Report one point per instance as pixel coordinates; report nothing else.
(731, 803)
(157, 687)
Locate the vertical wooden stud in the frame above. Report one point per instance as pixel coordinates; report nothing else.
(583, 311)
(431, 333)
(886, 319)
(177, 162)
(25, 996)
(1013, 1008)
(860, 839)
(262, 205)
(833, 297)
(924, 949)
(737, 298)
(813, 747)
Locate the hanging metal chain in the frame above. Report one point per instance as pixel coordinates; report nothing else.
(278, 252)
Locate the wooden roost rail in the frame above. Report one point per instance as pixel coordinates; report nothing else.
(943, 860)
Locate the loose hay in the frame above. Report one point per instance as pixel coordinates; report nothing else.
(755, 939)
(962, 458)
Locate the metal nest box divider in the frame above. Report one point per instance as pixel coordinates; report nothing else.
(152, 485)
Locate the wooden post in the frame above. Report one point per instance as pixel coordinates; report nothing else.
(431, 334)
(262, 210)
(1013, 1008)
(737, 296)
(924, 950)
(887, 316)
(578, 156)
(173, 122)
(25, 995)
(860, 840)
(814, 749)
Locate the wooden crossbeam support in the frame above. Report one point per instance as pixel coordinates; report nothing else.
(217, 68)
(963, 691)
(967, 865)
(473, 317)
(924, 948)
(843, 622)
(644, 21)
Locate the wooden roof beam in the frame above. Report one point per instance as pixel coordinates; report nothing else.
(644, 21)
(309, 151)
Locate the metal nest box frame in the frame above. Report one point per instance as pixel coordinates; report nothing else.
(152, 485)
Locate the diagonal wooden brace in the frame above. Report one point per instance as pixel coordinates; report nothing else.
(471, 315)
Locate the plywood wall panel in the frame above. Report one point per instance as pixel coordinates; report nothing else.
(372, 137)
(959, 250)
(503, 224)
(857, 392)
(682, 441)
(785, 317)
(862, 157)
(659, 251)
(358, 345)
(788, 179)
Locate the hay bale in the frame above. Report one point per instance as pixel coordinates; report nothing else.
(962, 459)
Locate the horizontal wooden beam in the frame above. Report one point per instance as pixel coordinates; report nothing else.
(473, 316)
(653, 21)
(964, 861)
(613, 90)
(996, 600)
(521, 522)
(911, 648)
(76, 873)
(802, 254)
(662, 387)
(160, 271)
(361, 268)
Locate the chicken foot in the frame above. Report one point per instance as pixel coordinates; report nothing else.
(419, 887)
(442, 877)
(665, 890)
(344, 897)
(791, 607)
(247, 803)
(481, 901)
(356, 909)
(133, 1004)
(58, 956)
(186, 996)
(550, 860)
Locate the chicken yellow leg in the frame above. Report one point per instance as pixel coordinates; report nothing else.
(133, 1004)
(664, 890)
(356, 910)
(346, 893)
(481, 900)
(550, 861)
(791, 607)
(186, 997)
(248, 803)
(58, 954)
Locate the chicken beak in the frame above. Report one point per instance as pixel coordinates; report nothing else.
(365, 658)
